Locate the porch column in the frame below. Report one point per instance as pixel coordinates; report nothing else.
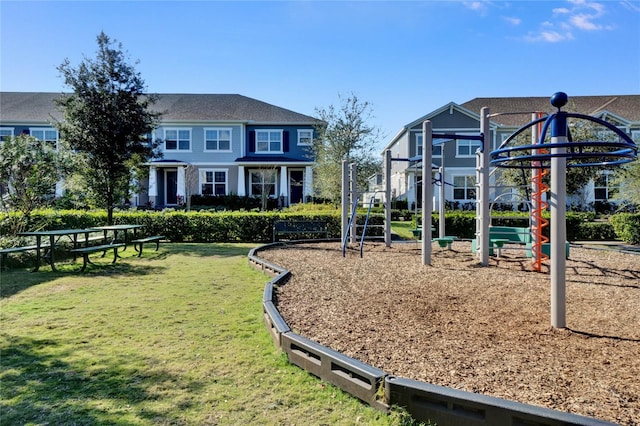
(181, 190)
(241, 182)
(153, 186)
(59, 188)
(308, 183)
(284, 185)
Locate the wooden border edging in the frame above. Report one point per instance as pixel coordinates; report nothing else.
(355, 377)
(423, 401)
(452, 407)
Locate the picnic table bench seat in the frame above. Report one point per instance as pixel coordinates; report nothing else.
(5, 251)
(82, 240)
(86, 251)
(138, 243)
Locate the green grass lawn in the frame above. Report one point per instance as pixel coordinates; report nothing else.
(403, 229)
(175, 337)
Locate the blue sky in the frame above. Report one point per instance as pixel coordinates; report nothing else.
(406, 58)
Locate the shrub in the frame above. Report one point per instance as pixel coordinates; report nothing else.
(627, 227)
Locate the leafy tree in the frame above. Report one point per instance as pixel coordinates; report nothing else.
(344, 134)
(627, 178)
(107, 121)
(29, 171)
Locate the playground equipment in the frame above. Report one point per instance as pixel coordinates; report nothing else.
(350, 198)
(558, 154)
(482, 166)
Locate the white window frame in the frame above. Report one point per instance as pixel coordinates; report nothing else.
(262, 173)
(469, 143)
(608, 187)
(202, 180)
(433, 147)
(6, 131)
(269, 150)
(466, 187)
(305, 134)
(218, 130)
(635, 136)
(44, 130)
(177, 130)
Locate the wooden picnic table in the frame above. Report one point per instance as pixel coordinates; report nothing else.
(54, 236)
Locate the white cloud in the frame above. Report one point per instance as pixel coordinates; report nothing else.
(512, 20)
(474, 5)
(581, 15)
(549, 37)
(584, 22)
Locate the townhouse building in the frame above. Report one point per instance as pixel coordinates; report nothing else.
(211, 144)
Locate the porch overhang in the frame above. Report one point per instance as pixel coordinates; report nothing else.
(271, 161)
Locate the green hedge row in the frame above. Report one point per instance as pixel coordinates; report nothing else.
(580, 226)
(180, 226)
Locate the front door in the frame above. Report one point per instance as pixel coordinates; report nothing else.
(296, 186)
(170, 187)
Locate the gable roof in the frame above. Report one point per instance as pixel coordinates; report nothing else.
(626, 107)
(40, 107)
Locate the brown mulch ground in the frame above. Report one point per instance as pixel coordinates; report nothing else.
(479, 329)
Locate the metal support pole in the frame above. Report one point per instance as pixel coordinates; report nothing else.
(441, 225)
(485, 158)
(558, 208)
(345, 198)
(427, 191)
(387, 198)
(354, 199)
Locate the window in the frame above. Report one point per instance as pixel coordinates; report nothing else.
(466, 147)
(177, 139)
(217, 139)
(603, 187)
(305, 137)
(263, 182)
(464, 187)
(635, 136)
(46, 135)
(269, 141)
(437, 149)
(213, 181)
(5, 132)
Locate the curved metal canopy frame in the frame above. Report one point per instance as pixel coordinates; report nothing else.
(610, 153)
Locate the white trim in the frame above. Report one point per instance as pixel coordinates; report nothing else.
(201, 181)
(45, 129)
(263, 171)
(469, 142)
(281, 151)
(10, 129)
(460, 173)
(218, 129)
(177, 130)
(310, 139)
(419, 151)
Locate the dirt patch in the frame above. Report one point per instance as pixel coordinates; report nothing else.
(480, 329)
